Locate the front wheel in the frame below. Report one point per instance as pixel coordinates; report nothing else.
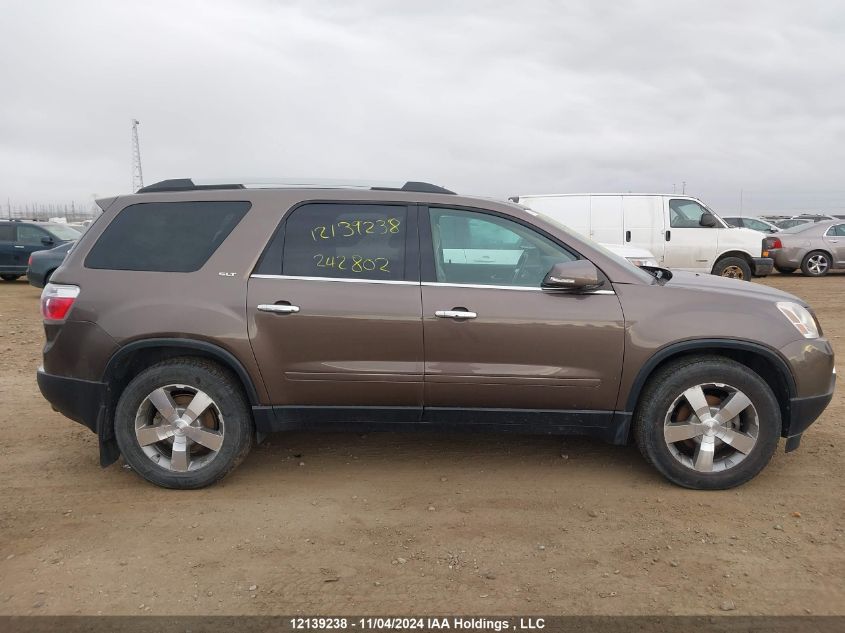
(707, 423)
(733, 267)
(183, 423)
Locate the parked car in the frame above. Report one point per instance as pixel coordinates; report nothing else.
(42, 264)
(814, 247)
(814, 217)
(755, 224)
(210, 316)
(680, 230)
(791, 222)
(19, 239)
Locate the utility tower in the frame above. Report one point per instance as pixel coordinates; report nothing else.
(137, 173)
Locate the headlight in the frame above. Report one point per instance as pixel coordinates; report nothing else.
(800, 317)
(642, 261)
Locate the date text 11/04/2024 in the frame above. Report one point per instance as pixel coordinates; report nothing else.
(421, 624)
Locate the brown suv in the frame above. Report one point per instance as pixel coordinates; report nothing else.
(191, 319)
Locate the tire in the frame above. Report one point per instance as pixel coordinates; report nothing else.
(785, 271)
(733, 267)
(10, 277)
(226, 419)
(663, 405)
(816, 264)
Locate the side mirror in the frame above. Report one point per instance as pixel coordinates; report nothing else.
(709, 220)
(577, 275)
(46, 241)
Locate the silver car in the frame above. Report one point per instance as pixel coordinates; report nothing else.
(814, 247)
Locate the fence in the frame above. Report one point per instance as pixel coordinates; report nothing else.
(73, 211)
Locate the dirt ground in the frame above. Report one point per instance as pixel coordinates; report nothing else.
(410, 523)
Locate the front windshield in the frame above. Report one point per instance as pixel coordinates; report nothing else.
(645, 276)
(799, 228)
(63, 232)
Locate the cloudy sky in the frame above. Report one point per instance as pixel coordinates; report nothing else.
(491, 98)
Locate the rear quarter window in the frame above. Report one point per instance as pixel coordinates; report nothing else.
(165, 236)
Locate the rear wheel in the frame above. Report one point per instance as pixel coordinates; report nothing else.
(707, 423)
(733, 267)
(816, 264)
(785, 271)
(183, 423)
(9, 277)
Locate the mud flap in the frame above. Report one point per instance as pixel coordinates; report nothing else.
(109, 452)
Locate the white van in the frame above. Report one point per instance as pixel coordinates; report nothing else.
(680, 230)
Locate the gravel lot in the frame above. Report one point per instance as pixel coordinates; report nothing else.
(410, 523)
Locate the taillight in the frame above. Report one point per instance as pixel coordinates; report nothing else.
(770, 244)
(57, 300)
(29, 261)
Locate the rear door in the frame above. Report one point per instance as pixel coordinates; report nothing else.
(643, 224)
(334, 314)
(573, 211)
(495, 342)
(606, 219)
(7, 245)
(688, 245)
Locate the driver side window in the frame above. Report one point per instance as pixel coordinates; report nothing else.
(685, 214)
(30, 234)
(479, 248)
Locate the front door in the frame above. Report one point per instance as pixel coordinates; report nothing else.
(30, 239)
(835, 239)
(689, 246)
(494, 341)
(335, 316)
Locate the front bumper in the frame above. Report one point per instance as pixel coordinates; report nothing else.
(762, 266)
(803, 412)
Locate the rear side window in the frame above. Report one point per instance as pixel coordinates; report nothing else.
(165, 236)
(7, 233)
(346, 241)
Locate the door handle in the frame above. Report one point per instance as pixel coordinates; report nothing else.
(278, 308)
(455, 314)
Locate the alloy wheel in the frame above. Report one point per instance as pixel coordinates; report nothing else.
(817, 264)
(179, 427)
(711, 427)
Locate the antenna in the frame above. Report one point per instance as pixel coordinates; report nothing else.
(137, 173)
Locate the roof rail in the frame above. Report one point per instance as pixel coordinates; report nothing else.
(194, 184)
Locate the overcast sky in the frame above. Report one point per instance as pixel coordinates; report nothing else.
(491, 98)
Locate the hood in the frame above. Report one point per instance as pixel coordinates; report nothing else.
(704, 282)
(741, 230)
